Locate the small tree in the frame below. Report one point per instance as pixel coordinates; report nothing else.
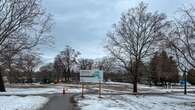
(85, 64)
(68, 59)
(58, 68)
(107, 64)
(163, 69)
(30, 61)
(154, 77)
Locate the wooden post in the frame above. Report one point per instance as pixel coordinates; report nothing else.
(100, 89)
(82, 94)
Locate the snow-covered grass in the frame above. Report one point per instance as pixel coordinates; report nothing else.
(117, 83)
(145, 88)
(36, 91)
(28, 91)
(107, 87)
(22, 103)
(108, 102)
(131, 102)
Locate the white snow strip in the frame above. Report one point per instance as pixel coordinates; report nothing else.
(31, 91)
(22, 103)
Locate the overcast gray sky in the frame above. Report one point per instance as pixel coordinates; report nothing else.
(83, 24)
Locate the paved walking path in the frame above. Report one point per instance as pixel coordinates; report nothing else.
(59, 102)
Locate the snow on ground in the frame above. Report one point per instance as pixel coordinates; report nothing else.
(108, 87)
(28, 91)
(117, 83)
(35, 91)
(147, 89)
(22, 103)
(131, 102)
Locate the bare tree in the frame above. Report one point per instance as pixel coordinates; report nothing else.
(24, 24)
(181, 41)
(85, 64)
(58, 68)
(30, 62)
(132, 38)
(182, 37)
(68, 58)
(21, 16)
(107, 64)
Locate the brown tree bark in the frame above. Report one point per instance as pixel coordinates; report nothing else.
(2, 86)
(135, 86)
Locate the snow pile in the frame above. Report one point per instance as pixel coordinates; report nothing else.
(130, 102)
(22, 103)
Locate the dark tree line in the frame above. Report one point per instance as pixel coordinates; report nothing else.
(67, 64)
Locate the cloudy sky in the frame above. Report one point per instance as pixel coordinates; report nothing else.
(83, 24)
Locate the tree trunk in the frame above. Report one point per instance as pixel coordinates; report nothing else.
(135, 80)
(30, 80)
(2, 86)
(64, 75)
(68, 73)
(11, 77)
(57, 77)
(135, 87)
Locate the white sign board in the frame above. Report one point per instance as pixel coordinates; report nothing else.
(91, 75)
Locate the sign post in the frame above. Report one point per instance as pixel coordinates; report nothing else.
(92, 76)
(100, 89)
(185, 83)
(82, 94)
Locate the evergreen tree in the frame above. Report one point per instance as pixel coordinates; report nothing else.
(163, 69)
(191, 76)
(153, 69)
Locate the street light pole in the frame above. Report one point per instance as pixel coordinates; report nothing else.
(185, 83)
